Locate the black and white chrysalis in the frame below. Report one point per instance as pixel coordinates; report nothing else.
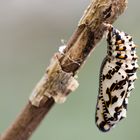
(117, 76)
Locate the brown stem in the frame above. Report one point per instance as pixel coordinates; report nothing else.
(88, 33)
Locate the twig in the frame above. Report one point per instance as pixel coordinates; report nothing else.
(88, 33)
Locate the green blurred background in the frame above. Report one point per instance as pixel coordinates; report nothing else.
(30, 33)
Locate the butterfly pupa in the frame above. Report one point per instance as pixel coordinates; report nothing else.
(117, 76)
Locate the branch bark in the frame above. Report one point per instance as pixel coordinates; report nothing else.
(89, 32)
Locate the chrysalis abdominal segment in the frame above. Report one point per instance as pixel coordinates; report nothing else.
(117, 76)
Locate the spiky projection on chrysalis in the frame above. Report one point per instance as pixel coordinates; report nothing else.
(117, 76)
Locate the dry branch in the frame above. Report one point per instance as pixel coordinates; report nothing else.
(88, 33)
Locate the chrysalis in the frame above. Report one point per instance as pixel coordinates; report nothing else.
(117, 76)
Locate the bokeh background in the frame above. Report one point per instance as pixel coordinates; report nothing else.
(30, 33)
